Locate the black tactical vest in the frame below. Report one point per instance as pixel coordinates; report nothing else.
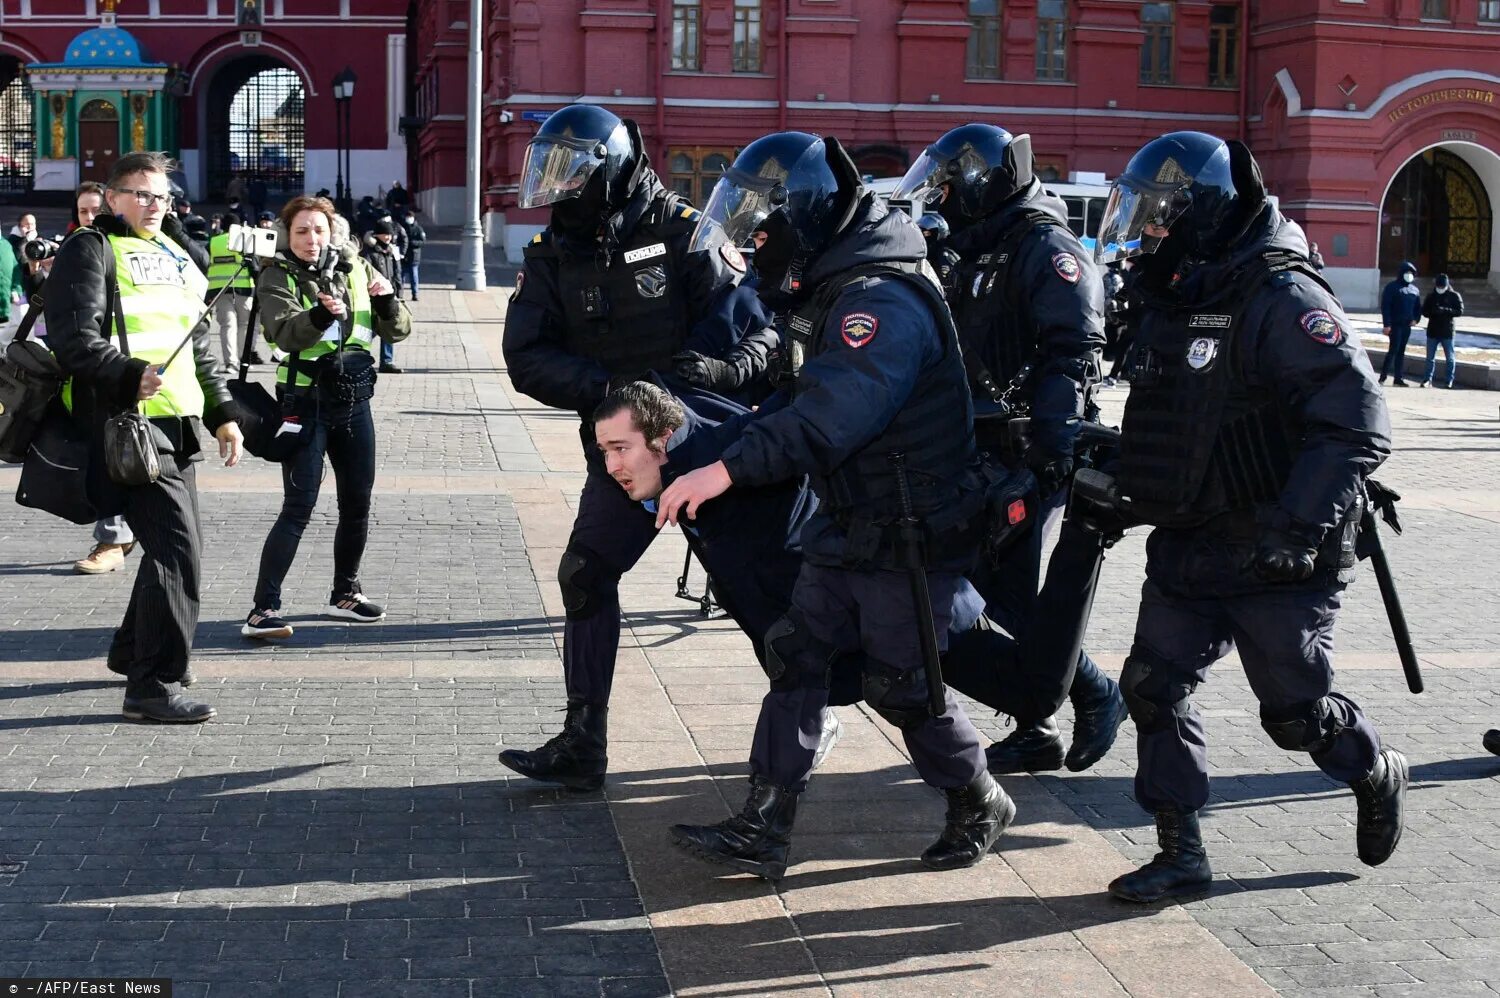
(997, 337)
(1197, 440)
(933, 431)
(629, 313)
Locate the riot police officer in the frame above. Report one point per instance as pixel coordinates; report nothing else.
(1252, 421)
(608, 291)
(879, 416)
(1029, 304)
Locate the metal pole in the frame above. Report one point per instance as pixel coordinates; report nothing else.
(338, 147)
(471, 243)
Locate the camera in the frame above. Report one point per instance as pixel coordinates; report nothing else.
(252, 241)
(39, 249)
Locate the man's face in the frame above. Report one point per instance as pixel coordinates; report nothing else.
(143, 219)
(268, 223)
(89, 207)
(384, 238)
(628, 459)
(28, 224)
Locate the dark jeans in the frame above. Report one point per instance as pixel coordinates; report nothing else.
(410, 274)
(153, 642)
(1394, 364)
(347, 435)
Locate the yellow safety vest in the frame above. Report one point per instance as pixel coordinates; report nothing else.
(161, 295)
(361, 337)
(223, 264)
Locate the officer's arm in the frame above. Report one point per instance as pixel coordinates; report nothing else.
(1066, 294)
(287, 322)
(76, 322)
(538, 363)
(1331, 387)
(738, 331)
(707, 275)
(846, 394)
(391, 319)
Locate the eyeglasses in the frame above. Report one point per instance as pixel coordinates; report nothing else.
(145, 198)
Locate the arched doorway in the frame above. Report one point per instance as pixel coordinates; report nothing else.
(98, 139)
(17, 139)
(1438, 214)
(256, 127)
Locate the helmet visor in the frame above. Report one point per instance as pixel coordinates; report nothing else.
(1136, 219)
(923, 183)
(734, 211)
(555, 171)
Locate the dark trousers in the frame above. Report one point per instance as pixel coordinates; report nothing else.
(1285, 640)
(1394, 365)
(347, 435)
(610, 533)
(153, 643)
(865, 620)
(411, 273)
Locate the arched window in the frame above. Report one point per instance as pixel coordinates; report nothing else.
(17, 140)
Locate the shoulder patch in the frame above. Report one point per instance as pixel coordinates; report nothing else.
(1322, 327)
(691, 214)
(732, 257)
(858, 328)
(1066, 265)
(536, 239)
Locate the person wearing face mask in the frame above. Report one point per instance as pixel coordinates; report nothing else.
(1400, 309)
(411, 262)
(1442, 305)
(1029, 305)
(321, 306)
(608, 291)
(1252, 423)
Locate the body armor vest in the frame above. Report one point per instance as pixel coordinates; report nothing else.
(632, 314)
(990, 326)
(934, 431)
(1197, 440)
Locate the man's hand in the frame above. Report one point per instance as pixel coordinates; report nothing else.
(150, 384)
(231, 443)
(1282, 557)
(693, 490)
(1387, 331)
(380, 286)
(1052, 470)
(335, 306)
(703, 371)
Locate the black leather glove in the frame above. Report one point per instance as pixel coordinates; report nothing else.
(705, 372)
(171, 227)
(1052, 470)
(1283, 557)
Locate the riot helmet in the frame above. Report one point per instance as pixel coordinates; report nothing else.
(1184, 195)
(581, 162)
(934, 227)
(797, 189)
(968, 173)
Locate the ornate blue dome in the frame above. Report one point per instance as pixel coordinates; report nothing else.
(106, 46)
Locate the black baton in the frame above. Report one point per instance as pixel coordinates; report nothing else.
(911, 545)
(1392, 600)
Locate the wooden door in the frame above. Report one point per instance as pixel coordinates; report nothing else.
(98, 140)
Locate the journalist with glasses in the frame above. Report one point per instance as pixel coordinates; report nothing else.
(121, 349)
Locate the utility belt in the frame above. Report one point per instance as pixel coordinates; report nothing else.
(1337, 553)
(950, 533)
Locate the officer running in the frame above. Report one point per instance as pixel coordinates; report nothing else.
(879, 412)
(1252, 421)
(607, 292)
(1029, 304)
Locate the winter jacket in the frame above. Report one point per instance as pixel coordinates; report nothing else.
(1441, 308)
(1400, 302)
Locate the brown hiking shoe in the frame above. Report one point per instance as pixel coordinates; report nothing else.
(104, 558)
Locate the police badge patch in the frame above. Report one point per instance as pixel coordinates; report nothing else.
(652, 281)
(1322, 327)
(859, 328)
(732, 257)
(1066, 265)
(1201, 353)
(520, 283)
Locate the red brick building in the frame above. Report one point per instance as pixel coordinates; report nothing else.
(1376, 121)
(232, 86)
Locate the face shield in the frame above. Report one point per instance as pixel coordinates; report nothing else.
(923, 183)
(556, 169)
(1132, 209)
(736, 209)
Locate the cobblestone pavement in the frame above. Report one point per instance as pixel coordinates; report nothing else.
(343, 829)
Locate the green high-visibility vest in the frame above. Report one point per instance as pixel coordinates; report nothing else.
(360, 337)
(161, 295)
(224, 267)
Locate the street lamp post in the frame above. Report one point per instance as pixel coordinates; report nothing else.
(471, 244)
(343, 96)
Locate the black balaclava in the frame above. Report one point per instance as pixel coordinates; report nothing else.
(582, 217)
(775, 255)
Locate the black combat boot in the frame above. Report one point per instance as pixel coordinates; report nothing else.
(1382, 805)
(1180, 869)
(1492, 740)
(574, 757)
(977, 814)
(757, 840)
(1098, 712)
(1034, 747)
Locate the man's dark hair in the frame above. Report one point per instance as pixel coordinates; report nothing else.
(88, 187)
(653, 411)
(139, 162)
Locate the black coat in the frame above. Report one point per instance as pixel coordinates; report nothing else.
(415, 237)
(1441, 308)
(383, 260)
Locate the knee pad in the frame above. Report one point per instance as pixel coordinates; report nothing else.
(584, 582)
(1153, 693)
(794, 658)
(898, 695)
(1309, 726)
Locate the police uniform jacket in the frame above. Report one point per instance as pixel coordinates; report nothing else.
(1253, 384)
(616, 308)
(1026, 292)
